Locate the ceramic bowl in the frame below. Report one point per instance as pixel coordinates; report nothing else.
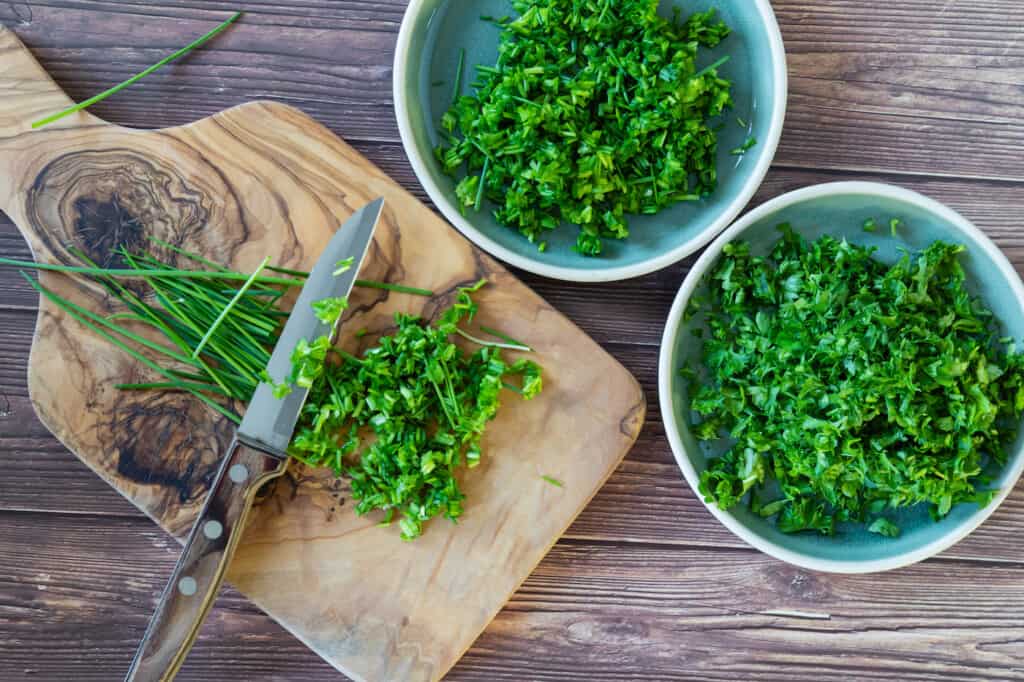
(840, 209)
(433, 33)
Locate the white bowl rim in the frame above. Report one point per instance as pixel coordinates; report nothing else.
(770, 144)
(666, 372)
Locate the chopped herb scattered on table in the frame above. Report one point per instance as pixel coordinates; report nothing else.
(850, 387)
(593, 111)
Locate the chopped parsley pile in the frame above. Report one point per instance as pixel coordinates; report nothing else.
(850, 387)
(593, 110)
(400, 420)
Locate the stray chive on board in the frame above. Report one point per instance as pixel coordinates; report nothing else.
(593, 111)
(850, 388)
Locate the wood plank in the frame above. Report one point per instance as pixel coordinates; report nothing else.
(589, 612)
(646, 500)
(872, 87)
(634, 311)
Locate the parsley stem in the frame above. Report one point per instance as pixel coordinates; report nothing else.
(142, 74)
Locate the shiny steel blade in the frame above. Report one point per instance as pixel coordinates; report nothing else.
(269, 421)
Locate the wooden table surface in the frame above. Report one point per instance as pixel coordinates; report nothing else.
(646, 585)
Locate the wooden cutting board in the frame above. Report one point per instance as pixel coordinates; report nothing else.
(265, 179)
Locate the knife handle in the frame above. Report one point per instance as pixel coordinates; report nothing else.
(196, 579)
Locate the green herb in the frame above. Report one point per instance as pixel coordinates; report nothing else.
(329, 310)
(223, 273)
(894, 226)
(120, 86)
(504, 337)
(97, 324)
(343, 265)
(553, 481)
(399, 288)
(227, 309)
(592, 111)
(458, 76)
(883, 526)
(426, 404)
(870, 225)
(745, 147)
(848, 387)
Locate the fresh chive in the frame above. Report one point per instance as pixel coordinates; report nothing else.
(708, 69)
(553, 481)
(171, 386)
(140, 273)
(67, 307)
(480, 188)
(343, 265)
(402, 289)
(231, 304)
(505, 337)
(187, 254)
(743, 148)
(458, 76)
(142, 74)
(492, 344)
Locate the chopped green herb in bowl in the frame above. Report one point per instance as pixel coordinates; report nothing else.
(846, 398)
(592, 112)
(590, 141)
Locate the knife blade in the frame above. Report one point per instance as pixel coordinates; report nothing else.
(257, 454)
(268, 422)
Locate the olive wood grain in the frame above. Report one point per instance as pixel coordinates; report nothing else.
(261, 179)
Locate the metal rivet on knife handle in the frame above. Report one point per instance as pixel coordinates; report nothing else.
(238, 473)
(213, 529)
(187, 586)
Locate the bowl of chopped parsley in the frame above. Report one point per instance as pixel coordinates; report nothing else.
(842, 377)
(590, 141)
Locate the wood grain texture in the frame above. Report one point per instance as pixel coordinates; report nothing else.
(263, 178)
(589, 611)
(917, 93)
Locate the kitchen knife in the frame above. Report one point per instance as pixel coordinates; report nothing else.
(258, 453)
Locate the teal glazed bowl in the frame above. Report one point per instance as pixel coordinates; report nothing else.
(433, 33)
(840, 209)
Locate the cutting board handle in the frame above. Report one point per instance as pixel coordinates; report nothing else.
(27, 94)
